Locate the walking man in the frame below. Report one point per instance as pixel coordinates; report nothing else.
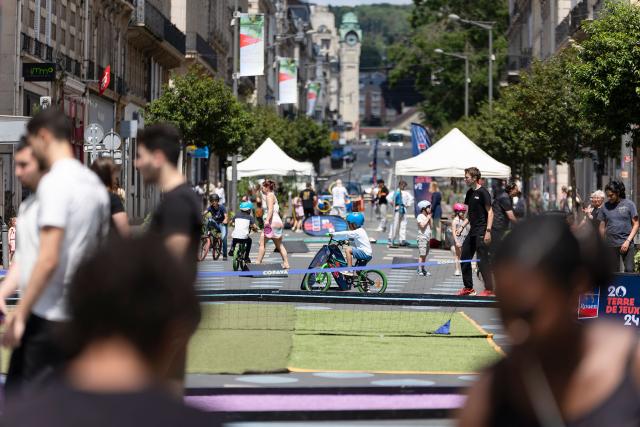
(72, 219)
(309, 200)
(480, 218)
(618, 225)
(383, 204)
(176, 220)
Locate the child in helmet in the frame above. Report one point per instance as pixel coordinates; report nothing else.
(424, 235)
(459, 210)
(243, 225)
(360, 248)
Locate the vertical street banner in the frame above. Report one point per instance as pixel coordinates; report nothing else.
(420, 142)
(287, 81)
(313, 91)
(251, 45)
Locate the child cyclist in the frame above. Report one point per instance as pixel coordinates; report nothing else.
(244, 224)
(424, 235)
(360, 248)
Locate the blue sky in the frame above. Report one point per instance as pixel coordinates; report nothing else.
(357, 2)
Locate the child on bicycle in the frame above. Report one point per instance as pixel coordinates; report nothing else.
(217, 219)
(360, 248)
(424, 235)
(243, 225)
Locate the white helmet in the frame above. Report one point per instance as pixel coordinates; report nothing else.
(424, 204)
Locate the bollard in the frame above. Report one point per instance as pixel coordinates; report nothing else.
(5, 246)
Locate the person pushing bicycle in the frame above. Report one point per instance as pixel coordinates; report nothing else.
(360, 248)
(244, 224)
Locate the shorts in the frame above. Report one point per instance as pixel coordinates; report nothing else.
(423, 245)
(360, 255)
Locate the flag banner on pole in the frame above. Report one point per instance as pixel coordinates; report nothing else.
(313, 91)
(251, 44)
(420, 142)
(287, 81)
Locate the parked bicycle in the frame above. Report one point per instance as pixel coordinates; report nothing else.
(330, 255)
(210, 240)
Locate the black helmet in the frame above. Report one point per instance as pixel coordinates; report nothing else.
(214, 198)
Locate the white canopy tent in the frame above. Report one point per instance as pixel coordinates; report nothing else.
(269, 159)
(449, 157)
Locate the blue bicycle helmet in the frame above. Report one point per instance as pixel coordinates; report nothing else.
(356, 218)
(246, 206)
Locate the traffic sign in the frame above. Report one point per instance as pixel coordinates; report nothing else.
(112, 141)
(93, 134)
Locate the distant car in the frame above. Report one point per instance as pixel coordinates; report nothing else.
(349, 155)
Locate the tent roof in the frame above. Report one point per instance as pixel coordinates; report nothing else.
(269, 159)
(449, 157)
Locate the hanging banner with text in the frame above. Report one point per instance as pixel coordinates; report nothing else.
(251, 45)
(420, 142)
(287, 81)
(313, 91)
(619, 299)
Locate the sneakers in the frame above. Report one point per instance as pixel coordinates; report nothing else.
(423, 272)
(457, 273)
(466, 292)
(487, 293)
(379, 229)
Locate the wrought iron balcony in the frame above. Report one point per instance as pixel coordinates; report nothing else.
(196, 45)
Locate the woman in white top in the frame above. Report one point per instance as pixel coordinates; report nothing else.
(273, 225)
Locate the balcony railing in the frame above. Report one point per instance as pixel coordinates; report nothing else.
(579, 13)
(196, 44)
(47, 53)
(159, 25)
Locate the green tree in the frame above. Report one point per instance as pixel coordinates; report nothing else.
(205, 111)
(313, 141)
(609, 68)
(440, 79)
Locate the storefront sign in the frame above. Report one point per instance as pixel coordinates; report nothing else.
(45, 72)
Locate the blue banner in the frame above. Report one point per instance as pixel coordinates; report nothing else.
(420, 141)
(619, 299)
(198, 153)
(321, 225)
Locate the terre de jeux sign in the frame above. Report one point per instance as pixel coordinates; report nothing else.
(45, 72)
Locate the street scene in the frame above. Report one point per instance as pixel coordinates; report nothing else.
(277, 213)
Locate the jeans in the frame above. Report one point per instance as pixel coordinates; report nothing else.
(627, 259)
(470, 246)
(223, 236)
(398, 227)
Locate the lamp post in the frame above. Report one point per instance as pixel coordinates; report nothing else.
(466, 76)
(487, 25)
(236, 54)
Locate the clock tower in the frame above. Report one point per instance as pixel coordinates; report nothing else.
(349, 105)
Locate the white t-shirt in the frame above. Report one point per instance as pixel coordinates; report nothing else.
(427, 230)
(359, 238)
(220, 193)
(339, 195)
(242, 225)
(73, 198)
(27, 239)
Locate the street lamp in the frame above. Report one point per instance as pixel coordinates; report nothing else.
(487, 25)
(466, 75)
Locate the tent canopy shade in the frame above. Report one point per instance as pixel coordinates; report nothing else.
(269, 159)
(449, 157)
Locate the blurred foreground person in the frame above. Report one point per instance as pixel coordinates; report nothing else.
(559, 372)
(124, 320)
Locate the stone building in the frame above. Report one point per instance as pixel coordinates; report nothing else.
(349, 95)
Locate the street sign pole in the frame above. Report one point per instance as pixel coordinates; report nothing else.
(234, 159)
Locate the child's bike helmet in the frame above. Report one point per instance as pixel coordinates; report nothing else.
(459, 207)
(356, 218)
(246, 206)
(424, 204)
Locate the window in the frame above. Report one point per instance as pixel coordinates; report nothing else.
(72, 42)
(32, 19)
(72, 20)
(63, 12)
(326, 44)
(53, 31)
(63, 37)
(53, 6)
(43, 24)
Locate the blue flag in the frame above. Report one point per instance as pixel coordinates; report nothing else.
(420, 142)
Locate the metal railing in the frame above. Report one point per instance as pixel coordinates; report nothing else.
(579, 13)
(159, 25)
(195, 43)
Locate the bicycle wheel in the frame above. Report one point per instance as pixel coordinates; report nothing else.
(371, 281)
(217, 248)
(237, 262)
(203, 248)
(317, 282)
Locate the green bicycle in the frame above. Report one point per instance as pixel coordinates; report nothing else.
(366, 281)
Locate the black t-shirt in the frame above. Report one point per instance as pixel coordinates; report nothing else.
(307, 197)
(478, 200)
(116, 203)
(179, 213)
(217, 214)
(501, 205)
(382, 195)
(62, 406)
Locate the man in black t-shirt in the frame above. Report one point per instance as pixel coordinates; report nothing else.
(309, 200)
(383, 204)
(177, 220)
(480, 217)
(503, 213)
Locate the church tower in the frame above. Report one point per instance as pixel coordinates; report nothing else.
(349, 106)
